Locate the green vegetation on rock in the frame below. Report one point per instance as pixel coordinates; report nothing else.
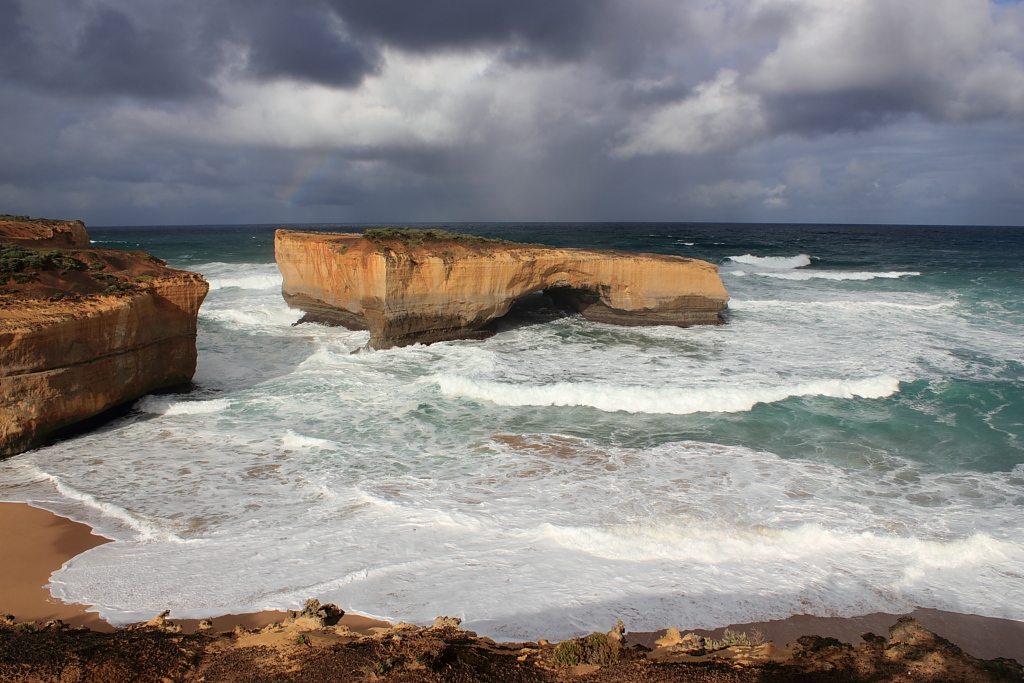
(23, 265)
(114, 285)
(595, 649)
(26, 219)
(413, 237)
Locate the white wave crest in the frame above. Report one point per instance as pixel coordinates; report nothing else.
(712, 545)
(275, 317)
(145, 530)
(773, 262)
(840, 275)
(673, 401)
(754, 305)
(160, 405)
(294, 441)
(256, 281)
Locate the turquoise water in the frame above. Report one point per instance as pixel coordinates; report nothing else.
(850, 441)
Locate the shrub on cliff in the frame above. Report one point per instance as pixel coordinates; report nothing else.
(414, 237)
(25, 219)
(23, 265)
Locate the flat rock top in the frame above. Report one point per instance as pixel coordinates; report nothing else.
(43, 232)
(45, 274)
(438, 243)
(48, 271)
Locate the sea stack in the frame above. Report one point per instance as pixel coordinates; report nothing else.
(424, 286)
(84, 329)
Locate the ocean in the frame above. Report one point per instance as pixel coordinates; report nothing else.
(850, 441)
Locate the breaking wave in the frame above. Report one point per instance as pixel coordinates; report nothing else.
(773, 262)
(672, 401)
(839, 275)
(159, 405)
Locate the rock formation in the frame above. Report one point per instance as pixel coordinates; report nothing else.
(43, 232)
(319, 648)
(409, 286)
(84, 329)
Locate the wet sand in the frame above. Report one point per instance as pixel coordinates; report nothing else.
(34, 543)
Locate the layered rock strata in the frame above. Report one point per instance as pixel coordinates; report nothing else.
(406, 288)
(83, 330)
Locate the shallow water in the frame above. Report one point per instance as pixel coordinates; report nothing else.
(849, 442)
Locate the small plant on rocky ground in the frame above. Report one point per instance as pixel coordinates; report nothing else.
(594, 649)
(599, 651)
(114, 286)
(567, 653)
(729, 638)
(388, 664)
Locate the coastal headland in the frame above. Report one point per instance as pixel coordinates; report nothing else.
(84, 329)
(424, 286)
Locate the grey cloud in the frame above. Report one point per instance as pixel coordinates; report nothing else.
(558, 28)
(836, 68)
(155, 112)
(306, 43)
(106, 52)
(116, 56)
(171, 50)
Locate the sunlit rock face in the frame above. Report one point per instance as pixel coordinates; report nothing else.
(406, 289)
(83, 330)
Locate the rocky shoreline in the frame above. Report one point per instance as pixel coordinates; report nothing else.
(312, 645)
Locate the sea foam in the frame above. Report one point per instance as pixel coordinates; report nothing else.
(773, 262)
(840, 275)
(675, 401)
(161, 405)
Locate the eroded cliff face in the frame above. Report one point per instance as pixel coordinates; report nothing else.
(83, 330)
(452, 289)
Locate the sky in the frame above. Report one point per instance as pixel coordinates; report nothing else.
(169, 112)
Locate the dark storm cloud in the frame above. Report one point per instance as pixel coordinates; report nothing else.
(106, 52)
(171, 50)
(239, 110)
(558, 27)
(116, 56)
(305, 43)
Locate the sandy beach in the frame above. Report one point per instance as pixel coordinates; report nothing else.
(35, 543)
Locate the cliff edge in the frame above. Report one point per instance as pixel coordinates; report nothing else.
(84, 329)
(409, 286)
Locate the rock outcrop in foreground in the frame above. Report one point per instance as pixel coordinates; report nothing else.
(83, 329)
(313, 645)
(409, 286)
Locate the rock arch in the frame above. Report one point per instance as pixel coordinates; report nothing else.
(439, 290)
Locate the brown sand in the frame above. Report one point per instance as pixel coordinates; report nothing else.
(34, 543)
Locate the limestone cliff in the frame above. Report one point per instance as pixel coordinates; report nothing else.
(406, 287)
(43, 232)
(83, 330)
